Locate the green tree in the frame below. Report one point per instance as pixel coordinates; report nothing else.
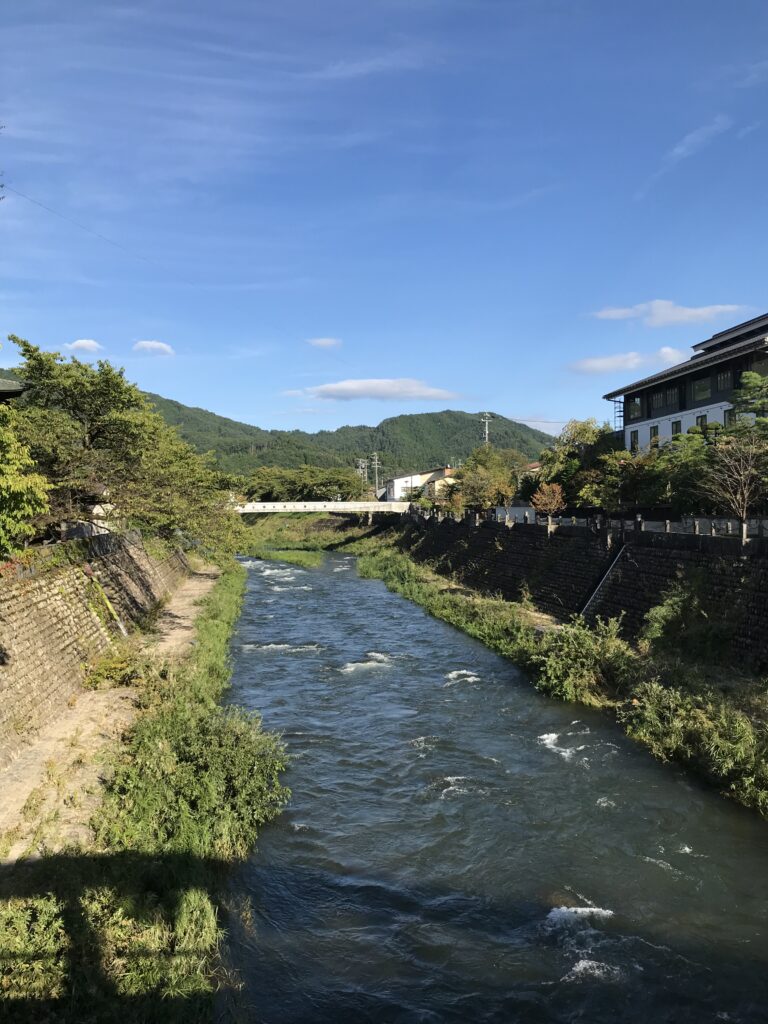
(573, 460)
(490, 476)
(752, 394)
(98, 441)
(23, 492)
(306, 483)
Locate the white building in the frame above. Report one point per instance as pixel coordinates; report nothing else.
(695, 393)
(429, 481)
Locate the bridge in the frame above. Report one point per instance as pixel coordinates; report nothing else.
(262, 507)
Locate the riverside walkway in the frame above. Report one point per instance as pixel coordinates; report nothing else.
(262, 507)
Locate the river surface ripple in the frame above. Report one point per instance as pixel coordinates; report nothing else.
(460, 848)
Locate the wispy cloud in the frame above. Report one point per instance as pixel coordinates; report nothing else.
(157, 348)
(742, 133)
(752, 75)
(84, 345)
(664, 356)
(375, 64)
(384, 389)
(690, 145)
(665, 313)
(325, 342)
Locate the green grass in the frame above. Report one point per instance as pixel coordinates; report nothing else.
(129, 929)
(304, 559)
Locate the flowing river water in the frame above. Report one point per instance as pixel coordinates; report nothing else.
(460, 848)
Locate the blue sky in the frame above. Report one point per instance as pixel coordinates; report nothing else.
(505, 204)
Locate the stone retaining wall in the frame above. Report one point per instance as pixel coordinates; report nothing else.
(55, 621)
(560, 572)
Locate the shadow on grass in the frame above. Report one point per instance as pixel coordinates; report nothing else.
(101, 938)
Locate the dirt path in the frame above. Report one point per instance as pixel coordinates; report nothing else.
(52, 788)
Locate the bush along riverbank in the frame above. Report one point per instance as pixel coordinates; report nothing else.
(708, 717)
(129, 928)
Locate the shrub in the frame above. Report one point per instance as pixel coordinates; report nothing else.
(585, 663)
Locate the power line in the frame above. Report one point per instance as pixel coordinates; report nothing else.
(83, 227)
(96, 234)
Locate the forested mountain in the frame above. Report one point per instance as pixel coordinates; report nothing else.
(404, 443)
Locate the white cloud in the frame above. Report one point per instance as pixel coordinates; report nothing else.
(84, 345)
(753, 75)
(325, 342)
(664, 356)
(384, 63)
(742, 133)
(688, 146)
(382, 388)
(664, 313)
(159, 348)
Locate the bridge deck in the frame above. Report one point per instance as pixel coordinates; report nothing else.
(256, 507)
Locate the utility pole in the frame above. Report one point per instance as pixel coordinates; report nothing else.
(362, 469)
(376, 465)
(485, 419)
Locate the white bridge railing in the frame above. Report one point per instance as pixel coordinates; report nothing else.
(261, 507)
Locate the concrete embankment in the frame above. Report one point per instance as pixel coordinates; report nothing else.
(61, 608)
(560, 573)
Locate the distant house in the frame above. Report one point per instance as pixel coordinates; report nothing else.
(429, 482)
(691, 394)
(10, 389)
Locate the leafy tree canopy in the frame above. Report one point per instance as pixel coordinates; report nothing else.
(307, 483)
(23, 493)
(107, 455)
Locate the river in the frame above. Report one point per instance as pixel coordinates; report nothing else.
(460, 848)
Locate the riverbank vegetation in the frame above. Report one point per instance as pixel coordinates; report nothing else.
(672, 690)
(129, 926)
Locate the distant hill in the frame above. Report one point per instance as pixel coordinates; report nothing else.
(404, 443)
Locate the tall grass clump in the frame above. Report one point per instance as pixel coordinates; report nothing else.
(590, 664)
(196, 777)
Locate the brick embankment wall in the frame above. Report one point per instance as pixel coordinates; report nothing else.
(54, 621)
(558, 572)
(730, 584)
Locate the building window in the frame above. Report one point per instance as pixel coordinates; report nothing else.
(702, 389)
(634, 442)
(673, 397)
(677, 427)
(729, 417)
(634, 408)
(657, 400)
(701, 421)
(655, 434)
(724, 380)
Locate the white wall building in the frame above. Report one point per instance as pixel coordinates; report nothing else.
(695, 393)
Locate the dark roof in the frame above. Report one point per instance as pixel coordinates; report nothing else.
(694, 363)
(11, 389)
(749, 327)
